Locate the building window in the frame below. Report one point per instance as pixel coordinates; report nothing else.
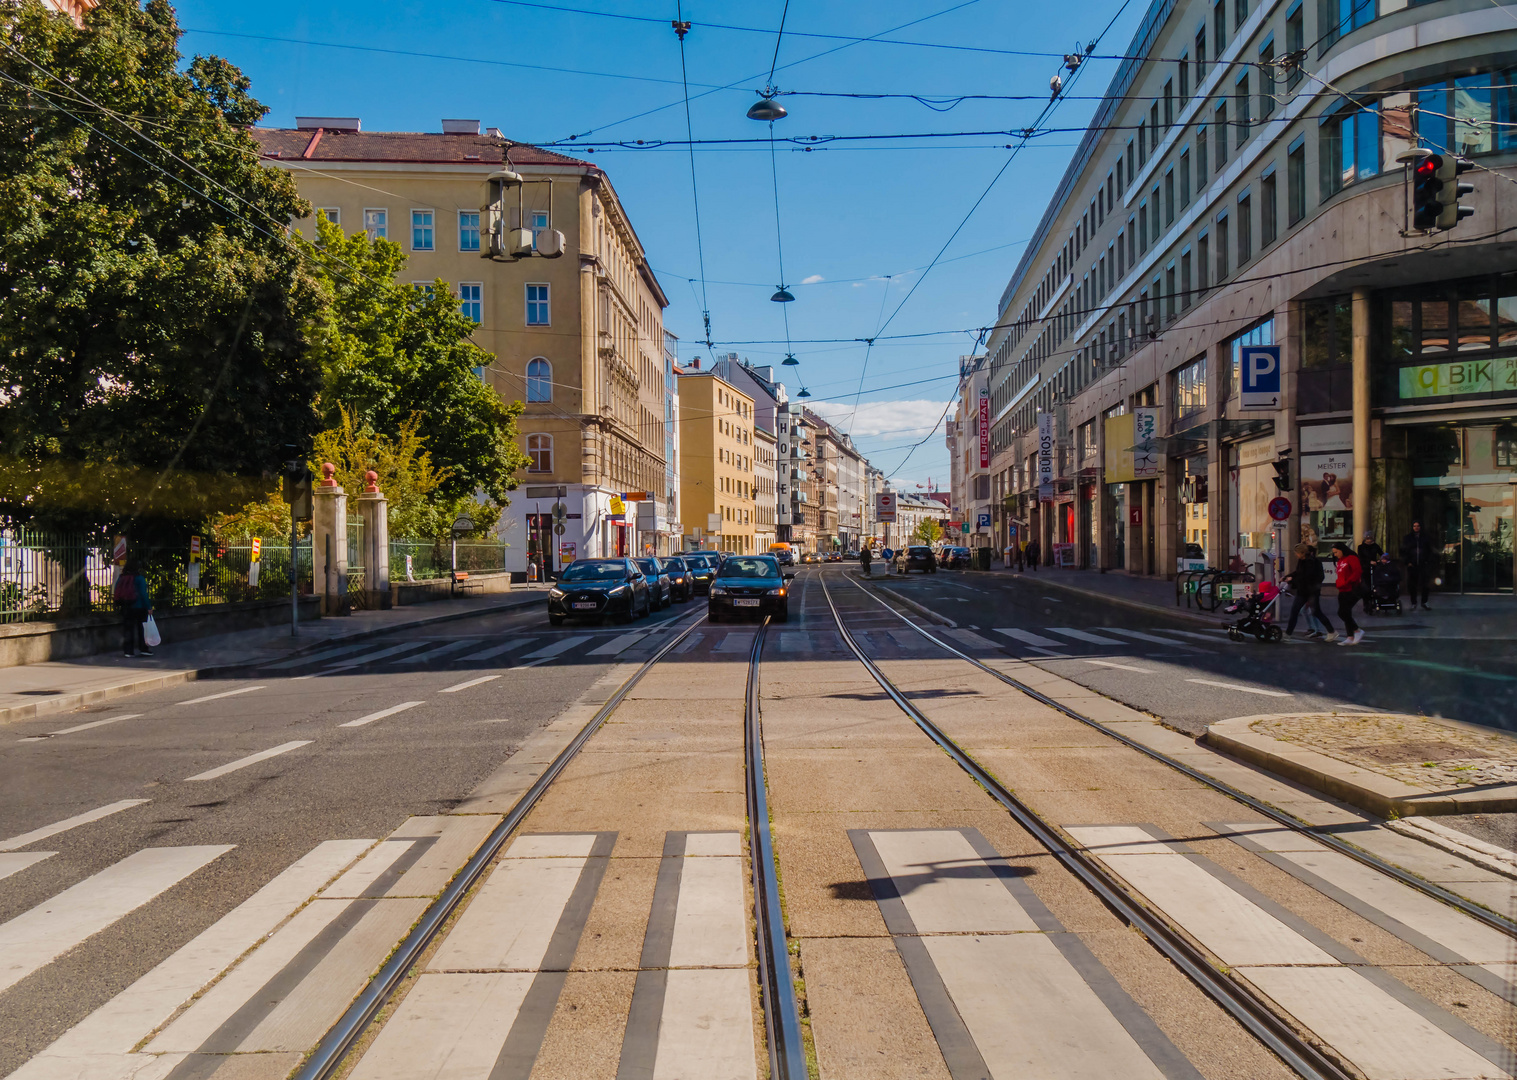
(1169, 293)
(1337, 17)
(1132, 251)
(1201, 173)
(1169, 198)
(1269, 225)
(1348, 148)
(1130, 173)
(1185, 280)
(1153, 127)
(1142, 143)
(1121, 252)
(1200, 55)
(1221, 248)
(1240, 12)
(1295, 41)
(471, 300)
(1245, 228)
(1295, 182)
(1169, 104)
(1184, 179)
(1241, 112)
(540, 453)
(1143, 225)
(1184, 76)
(332, 214)
(1219, 25)
(1219, 132)
(1203, 261)
(1261, 333)
(421, 230)
(1267, 79)
(537, 305)
(468, 231)
(1155, 217)
(539, 226)
(376, 223)
(1189, 394)
(539, 380)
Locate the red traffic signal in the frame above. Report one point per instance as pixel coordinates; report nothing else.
(1427, 189)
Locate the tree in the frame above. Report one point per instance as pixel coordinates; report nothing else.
(928, 532)
(394, 354)
(153, 356)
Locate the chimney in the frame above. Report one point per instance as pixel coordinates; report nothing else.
(494, 133)
(328, 123)
(460, 127)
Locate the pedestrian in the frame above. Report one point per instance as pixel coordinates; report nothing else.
(1021, 549)
(1369, 554)
(132, 601)
(1306, 587)
(1421, 560)
(1349, 575)
(1034, 553)
(865, 556)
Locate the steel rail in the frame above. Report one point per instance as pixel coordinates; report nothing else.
(782, 1014)
(341, 1036)
(1484, 915)
(1257, 1018)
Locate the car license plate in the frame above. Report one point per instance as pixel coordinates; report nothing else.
(586, 607)
(745, 603)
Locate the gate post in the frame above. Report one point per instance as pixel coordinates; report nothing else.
(373, 511)
(329, 543)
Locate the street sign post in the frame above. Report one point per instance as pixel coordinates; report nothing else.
(1261, 376)
(1279, 508)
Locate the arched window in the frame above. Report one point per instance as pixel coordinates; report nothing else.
(539, 380)
(540, 451)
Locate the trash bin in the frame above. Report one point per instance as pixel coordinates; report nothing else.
(980, 558)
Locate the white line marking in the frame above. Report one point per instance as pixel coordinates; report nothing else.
(1139, 635)
(224, 693)
(1212, 638)
(39, 936)
(560, 646)
(1240, 688)
(1051, 600)
(493, 651)
(618, 644)
(1123, 667)
(251, 759)
(17, 861)
(472, 682)
(446, 647)
(1083, 635)
(1027, 637)
(66, 824)
(93, 724)
(391, 711)
(372, 657)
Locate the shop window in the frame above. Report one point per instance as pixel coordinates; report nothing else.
(1474, 324)
(1436, 325)
(1505, 447)
(1506, 322)
(1261, 333)
(1402, 341)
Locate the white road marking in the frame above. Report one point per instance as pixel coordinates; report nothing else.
(42, 934)
(105, 1038)
(1138, 635)
(1027, 637)
(251, 759)
(562, 645)
(373, 657)
(317, 657)
(1084, 635)
(1213, 639)
(223, 694)
(738, 641)
(618, 644)
(380, 715)
(970, 638)
(1052, 600)
(456, 687)
(432, 654)
(1240, 688)
(94, 724)
(494, 651)
(66, 824)
(450, 1025)
(710, 922)
(1123, 667)
(16, 861)
(369, 869)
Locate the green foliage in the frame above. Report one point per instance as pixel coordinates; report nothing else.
(390, 352)
(928, 532)
(153, 353)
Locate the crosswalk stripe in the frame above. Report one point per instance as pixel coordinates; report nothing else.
(1123, 667)
(45, 932)
(689, 643)
(1085, 635)
(318, 657)
(129, 1017)
(1027, 637)
(1240, 688)
(441, 650)
(494, 651)
(1155, 639)
(13, 862)
(456, 687)
(251, 759)
(966, 637)
(562, 645)
(94, 724)
(380, 655)
(1211, 638)
(26, 838)
(738, 641)
(223, 694)
(381, 714)
(619, 644)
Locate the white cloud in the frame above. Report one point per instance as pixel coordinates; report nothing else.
(892, 421)
(813, 279)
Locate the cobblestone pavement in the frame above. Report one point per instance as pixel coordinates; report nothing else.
(1415, 750)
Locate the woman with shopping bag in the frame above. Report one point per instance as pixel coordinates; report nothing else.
(136, 612)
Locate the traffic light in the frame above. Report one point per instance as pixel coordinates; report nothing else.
(1427, 189)
(1451, 190)
(1283, 474)
(297, 489)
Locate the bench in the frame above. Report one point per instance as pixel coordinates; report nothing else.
(461, 582)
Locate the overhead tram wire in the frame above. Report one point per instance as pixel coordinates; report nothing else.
(681, 28)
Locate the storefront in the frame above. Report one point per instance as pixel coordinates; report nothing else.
(1251, 476)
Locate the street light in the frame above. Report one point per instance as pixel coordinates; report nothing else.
(790, 361)
(766, 108)
(804, 393)
(783, 296)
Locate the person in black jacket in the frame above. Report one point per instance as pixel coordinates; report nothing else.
(1369, 554)
(1420, 557)
(1306, 583)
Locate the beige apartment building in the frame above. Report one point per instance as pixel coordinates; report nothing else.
(578, 337)
(717, 477)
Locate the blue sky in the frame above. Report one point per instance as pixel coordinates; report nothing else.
(859, 221)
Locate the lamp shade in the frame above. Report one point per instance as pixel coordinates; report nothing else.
(783, 296)
(804, 393)
(790, 361)
(767, 109)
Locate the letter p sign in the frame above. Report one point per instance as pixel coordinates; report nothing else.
(1261, 376)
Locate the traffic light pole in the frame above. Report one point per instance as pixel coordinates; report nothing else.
(294, 578)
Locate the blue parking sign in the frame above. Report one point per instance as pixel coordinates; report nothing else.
(1261, 376)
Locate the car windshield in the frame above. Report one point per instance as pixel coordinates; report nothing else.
(919, 551)
(595, 570)
(750, 567)
(708, 561)
(648, 566)
(675, 566)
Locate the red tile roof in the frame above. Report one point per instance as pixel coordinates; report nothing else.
(402, 146)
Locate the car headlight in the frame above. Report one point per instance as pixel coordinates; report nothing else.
(777, 592)
(717, 590)
(556, 593)
(618, 590)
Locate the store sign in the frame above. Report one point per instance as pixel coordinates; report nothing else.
(984, 428)
(1261, 376)
(1145, 451)
(1045, 450)
(1463, 377)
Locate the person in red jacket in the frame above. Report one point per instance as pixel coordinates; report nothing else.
(1350, 573)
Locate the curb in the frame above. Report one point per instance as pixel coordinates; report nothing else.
(918, 608)
(146, 683)
(1380, 795)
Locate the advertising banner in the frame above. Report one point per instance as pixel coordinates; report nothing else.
(984, 428)
(1119, 442)
(1145, 453)
(1327, 481)
(1460, 377)
(1045, 449)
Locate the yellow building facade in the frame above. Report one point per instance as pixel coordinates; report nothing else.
(578, 338)
(716, 463)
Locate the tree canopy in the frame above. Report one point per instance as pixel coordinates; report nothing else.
(928, 532)
(153, 349)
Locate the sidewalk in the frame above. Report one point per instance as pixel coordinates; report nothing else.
(58, 686)
(1452, 616)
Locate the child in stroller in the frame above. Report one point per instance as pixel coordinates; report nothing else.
(1259, 612)
(1384, 587)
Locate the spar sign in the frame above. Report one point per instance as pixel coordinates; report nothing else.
(984, 427)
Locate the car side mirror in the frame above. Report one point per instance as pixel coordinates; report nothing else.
(790, 575)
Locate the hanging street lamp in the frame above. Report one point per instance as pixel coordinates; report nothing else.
(766, 108)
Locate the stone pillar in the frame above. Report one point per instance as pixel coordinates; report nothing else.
(1362, 449)
(374, 512)
(329, 543)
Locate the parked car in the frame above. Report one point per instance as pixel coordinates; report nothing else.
(783, 553)
(954, 558)
(702, 569)
(681, 579)
(660, 588)
(596, 588)
(749, 585)
(915, 557)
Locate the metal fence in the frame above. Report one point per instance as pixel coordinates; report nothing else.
(431, 559)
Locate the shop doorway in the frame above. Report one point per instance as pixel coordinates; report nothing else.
(540, 544)
(1463, 494)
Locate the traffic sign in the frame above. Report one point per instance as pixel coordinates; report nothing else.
(559, 529)
(1261, 376)
(1279, 508)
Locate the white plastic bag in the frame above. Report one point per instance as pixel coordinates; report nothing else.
(150, 635)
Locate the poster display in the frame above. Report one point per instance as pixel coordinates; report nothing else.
(1145, 452)
(1327, 499)
(1119, 440)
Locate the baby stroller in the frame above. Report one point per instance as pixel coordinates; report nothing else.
(1384, 588)
(1259, 612)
